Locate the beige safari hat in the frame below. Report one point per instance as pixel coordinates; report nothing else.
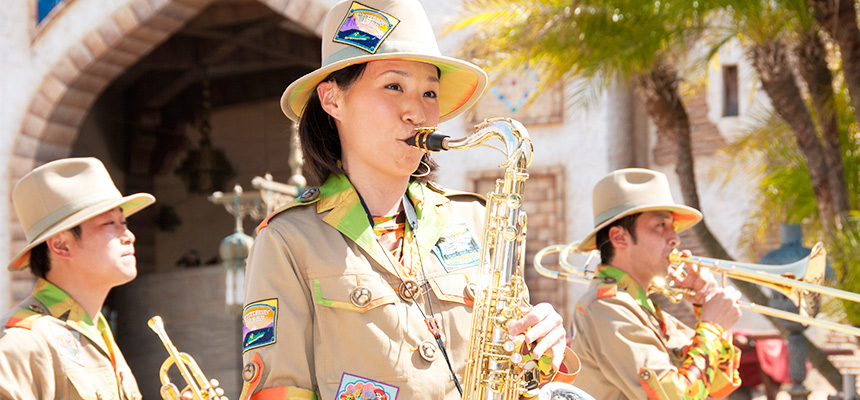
(62, 194)
(634, 190)
(357, 32)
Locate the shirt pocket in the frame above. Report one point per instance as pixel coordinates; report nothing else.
(455, 293)
(361, 325)
(93, 383)
(456, 288)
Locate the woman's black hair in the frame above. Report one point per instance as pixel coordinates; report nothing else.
(319, 136)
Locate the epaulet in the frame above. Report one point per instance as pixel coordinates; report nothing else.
(309, 196)
(451, 192)
(24, 317)
(607, 288)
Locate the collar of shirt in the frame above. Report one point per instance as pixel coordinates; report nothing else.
(628, 284)
(346, 214)
(62, 306)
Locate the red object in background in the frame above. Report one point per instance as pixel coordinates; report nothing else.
(762, 354)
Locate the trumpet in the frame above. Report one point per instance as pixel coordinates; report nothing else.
(198, 386)
(800, 281)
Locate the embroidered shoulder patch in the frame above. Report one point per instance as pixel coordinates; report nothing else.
(357, 388)
(259, 321)
(365, 27)
(457, 248)
(68, 344)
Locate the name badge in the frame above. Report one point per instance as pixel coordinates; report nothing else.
(457, 248)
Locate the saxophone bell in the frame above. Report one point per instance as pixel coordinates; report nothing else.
(197, 384)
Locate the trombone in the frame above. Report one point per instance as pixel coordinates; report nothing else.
(800, 281)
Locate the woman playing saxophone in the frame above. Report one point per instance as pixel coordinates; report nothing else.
(361, 288)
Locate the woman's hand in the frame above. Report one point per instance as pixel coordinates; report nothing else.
(543, 327)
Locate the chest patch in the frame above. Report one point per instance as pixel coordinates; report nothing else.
(68, 344)
(259, 320)
(457, 248)
(357, 388)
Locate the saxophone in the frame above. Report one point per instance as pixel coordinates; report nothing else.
(497, 365)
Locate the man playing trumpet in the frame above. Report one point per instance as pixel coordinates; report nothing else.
(629, 348)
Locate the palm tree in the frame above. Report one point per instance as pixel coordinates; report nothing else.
(590, 44)
(839, 19)
(774, 33)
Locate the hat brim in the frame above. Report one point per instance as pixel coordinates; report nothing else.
(129, 205)
(461, 83)
(685, 218)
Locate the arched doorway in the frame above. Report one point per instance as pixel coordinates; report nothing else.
(131, 93)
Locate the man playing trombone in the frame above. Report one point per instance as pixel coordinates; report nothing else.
(629, 348)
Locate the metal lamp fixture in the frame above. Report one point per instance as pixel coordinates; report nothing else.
(206, 168)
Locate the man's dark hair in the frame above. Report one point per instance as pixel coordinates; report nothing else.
(319, 136)
(607, 250)
(40, 263)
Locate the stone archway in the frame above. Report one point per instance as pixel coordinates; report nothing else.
(65, 95)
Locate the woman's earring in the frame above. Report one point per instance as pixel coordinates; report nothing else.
(421, 174)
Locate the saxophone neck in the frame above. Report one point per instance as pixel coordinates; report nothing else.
(516, 145)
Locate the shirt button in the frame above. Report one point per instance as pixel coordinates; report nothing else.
(249, 372)
(470, 290)
(427, 349)
(409, 290)
(361, 296)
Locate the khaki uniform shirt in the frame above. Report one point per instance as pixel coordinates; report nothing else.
(51, 349)
(630, 349)
(323, 303)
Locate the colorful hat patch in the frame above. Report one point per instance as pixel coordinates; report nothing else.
(364, 27)
(258, 324)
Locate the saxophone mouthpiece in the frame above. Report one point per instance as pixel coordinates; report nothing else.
(429, 140)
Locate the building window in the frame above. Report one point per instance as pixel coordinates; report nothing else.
(730, 91)
(45, 7)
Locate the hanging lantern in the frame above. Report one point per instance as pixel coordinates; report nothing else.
(206, 168)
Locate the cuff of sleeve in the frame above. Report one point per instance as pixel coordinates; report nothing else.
(569, 367)
(710, 327)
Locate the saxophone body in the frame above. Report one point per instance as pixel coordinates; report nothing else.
(498, 366)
